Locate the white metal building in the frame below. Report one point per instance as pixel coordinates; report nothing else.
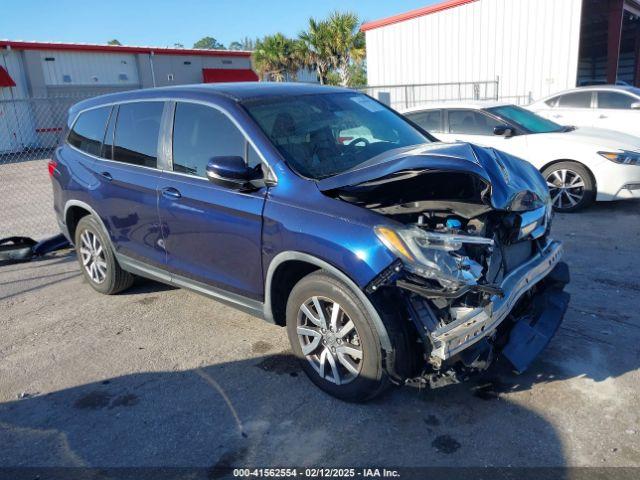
(526, 48)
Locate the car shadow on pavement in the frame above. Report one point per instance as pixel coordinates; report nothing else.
(263, 411)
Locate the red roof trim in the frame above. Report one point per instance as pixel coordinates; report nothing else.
(420, 12)
(5, 79)
(218, 75)
(83, 47)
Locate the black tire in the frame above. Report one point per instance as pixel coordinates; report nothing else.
(110, 278)
(562, 199)
(371, 379)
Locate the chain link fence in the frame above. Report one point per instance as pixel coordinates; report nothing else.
(30, 129)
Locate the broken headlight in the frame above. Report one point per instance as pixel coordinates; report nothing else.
(434, 255)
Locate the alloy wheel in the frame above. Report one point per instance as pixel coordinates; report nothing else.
(93, 258)
(329, 340)
(567, 188)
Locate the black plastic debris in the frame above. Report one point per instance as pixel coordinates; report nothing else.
(22, 249)
(16, 249)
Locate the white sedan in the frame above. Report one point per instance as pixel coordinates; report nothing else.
(580, 164)
(605, 106)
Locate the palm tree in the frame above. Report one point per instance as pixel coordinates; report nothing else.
(277, 58)
(348, 43)
(315, 48)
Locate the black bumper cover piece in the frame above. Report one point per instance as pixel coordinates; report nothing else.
(533, 332)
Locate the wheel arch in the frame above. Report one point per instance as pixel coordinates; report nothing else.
(74, 211)
(287, 268)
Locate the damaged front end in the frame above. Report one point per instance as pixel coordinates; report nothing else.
(477, 273)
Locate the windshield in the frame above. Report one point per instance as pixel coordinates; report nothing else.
(323, 135)
(525, 119)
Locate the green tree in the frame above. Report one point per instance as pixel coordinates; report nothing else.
(245, 44)
(275, 57)
(315, 48)
(348, 44)
(358, 75)
(114, 42)
(209, 43)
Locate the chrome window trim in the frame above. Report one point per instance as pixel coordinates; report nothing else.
(115, 162)
(272, 173)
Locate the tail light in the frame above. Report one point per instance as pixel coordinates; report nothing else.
(51, 165)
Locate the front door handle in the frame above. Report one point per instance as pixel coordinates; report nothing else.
(106, 175)
(170, 192)
(557, 116)
(603, 116)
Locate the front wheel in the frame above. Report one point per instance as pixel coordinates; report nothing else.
(330, 332)
(571, 186)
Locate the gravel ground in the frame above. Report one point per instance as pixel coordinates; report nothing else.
(25, 189)
(160, 376)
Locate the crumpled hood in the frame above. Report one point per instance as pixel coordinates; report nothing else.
(515, 184)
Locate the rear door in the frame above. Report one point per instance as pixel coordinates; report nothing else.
(212, 233)
(126, 196)
(614, 112)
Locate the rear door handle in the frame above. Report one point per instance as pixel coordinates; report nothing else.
(107, 176)
(603, 116)
(557, 116)
(170, 192)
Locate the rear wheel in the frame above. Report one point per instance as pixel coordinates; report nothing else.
(570, 185)
(330, 332)
(97, 261)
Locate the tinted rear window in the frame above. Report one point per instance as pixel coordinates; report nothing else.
(136, 135)
(88, 131)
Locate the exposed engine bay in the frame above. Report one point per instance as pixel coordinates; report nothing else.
(470, 274)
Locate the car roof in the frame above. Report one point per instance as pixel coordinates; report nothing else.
(474, 105)
(591, 88)
(239, 91)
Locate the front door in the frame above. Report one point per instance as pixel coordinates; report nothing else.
(212, 234)
(614, 112)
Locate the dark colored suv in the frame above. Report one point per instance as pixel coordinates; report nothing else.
(389, 257)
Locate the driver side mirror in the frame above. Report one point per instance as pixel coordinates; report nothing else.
(635, 106)
(504, 131)
(232, 172)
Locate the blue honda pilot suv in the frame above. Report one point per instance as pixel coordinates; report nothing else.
(388, 256)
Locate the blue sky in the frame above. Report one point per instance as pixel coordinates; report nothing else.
(164, 22)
